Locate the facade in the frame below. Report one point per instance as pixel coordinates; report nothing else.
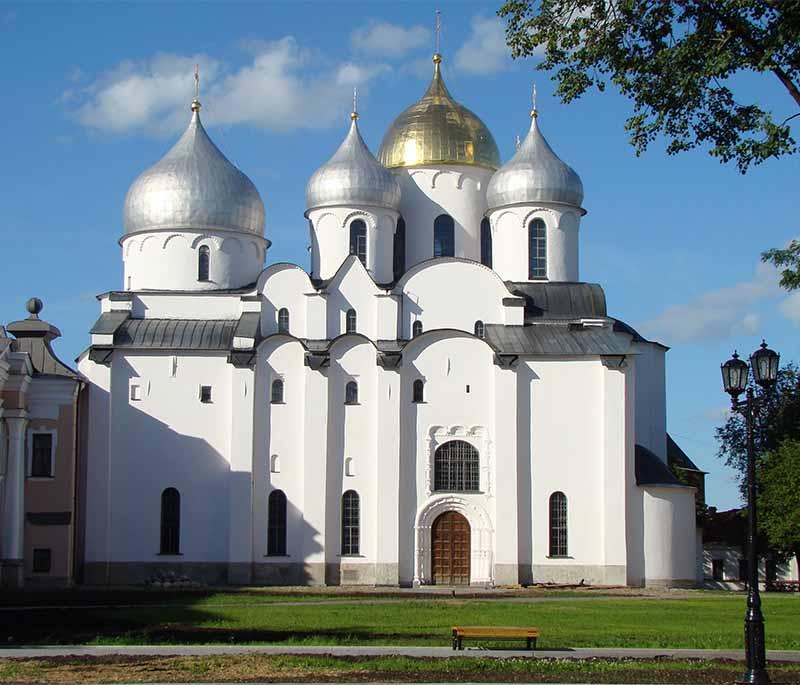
(38, 456)
(440, 400)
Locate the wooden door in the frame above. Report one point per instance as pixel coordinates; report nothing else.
(450, 545)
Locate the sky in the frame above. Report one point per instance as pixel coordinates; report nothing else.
(93, 94)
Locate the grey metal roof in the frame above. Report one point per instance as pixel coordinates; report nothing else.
(556, 339)
(193, 186)
(534, 174)
(249, 326)
(109, 322)
(353, 177)
(547, 300)
(171, 334)
(650, 470)
(34, 336)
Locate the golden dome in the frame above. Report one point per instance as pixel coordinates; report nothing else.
(438, 130)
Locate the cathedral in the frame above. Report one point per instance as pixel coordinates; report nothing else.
(440, 400)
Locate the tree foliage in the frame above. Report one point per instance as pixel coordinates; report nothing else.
(779, 498)
(777, 419)
(676, 60)
(788, 260)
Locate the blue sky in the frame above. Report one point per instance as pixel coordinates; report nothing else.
(95, 93)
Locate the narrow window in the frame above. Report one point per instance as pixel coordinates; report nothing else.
(349, 467)
(277, 391)
(537, 249)
(717, 569)
(42, 560)
(350, 321)
(444, 236)
(486, 243)
(358, 240)
(419, 390)
(350, 524)
(136, 392)
(283, 320)
(351, 393)
(170, 521)
(456, 467)
(416, 329)
(399, 249)
(276, 524)
(203, 263)
(42, 455)
(205, 394)
(480, 329)
(558, 524)
(274, 464)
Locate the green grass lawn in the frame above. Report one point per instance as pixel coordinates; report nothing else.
(701, 621)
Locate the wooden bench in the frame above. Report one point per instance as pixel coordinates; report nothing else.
(494, 633)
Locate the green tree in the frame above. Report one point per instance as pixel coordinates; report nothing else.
(779, 498)
(676, 60)
(788, 261)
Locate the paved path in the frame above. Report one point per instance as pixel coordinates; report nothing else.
(338, 650)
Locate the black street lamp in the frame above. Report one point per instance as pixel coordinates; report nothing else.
(735, 373)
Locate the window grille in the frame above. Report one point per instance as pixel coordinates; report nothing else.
(42, 455)
(276, 523)
(416, 329)
(283, 320)
(277, 391)
(358, 240)
(486, 243)
(457, 467)
(351, 528)
(350, 321)
(537, 249)
(480, 329)
(203, 263)
(558, 524)
(351, 393)
(170, 521)
(444, 236)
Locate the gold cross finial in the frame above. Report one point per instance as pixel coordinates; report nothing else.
(534, 111)
(354, 113)
(438, 31)
(196, 102)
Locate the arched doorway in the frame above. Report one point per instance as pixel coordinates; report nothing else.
(450, 549)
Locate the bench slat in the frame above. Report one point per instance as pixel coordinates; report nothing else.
(494, 631)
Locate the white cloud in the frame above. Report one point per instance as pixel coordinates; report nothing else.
(281, 88)
(485, 50)
(790, 308)
(382, 39)
(717, 314)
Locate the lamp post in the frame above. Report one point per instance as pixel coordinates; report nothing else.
(735, 380)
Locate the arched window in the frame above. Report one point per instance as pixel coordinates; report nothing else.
(170, 521)
(274, 464)
(558, 524)
(283, 320)
(537, 249)
(276, 396)
(351, 393)
(399, 249)
(350, 523)
(419, 390)
(486, 243)
(203, 263)
(456, 467)
(444, 244)
(480, 329)
(349, 467)
(350, 321)
(358, 240)
(276, 523)
(416, 329)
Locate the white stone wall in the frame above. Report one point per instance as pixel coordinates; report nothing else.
(669, 535)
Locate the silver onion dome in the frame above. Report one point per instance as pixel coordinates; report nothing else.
(353, 177)
(193, 186)
(534, 174)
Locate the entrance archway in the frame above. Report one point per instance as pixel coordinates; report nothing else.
(450, 549)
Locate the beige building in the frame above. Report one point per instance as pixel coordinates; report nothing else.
(38, 456)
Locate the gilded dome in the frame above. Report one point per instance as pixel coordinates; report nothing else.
(534, 174)
(353, 177)
(193, 186)
(438, 130)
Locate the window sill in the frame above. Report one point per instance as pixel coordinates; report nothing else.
(277, 402)
(458, 492)
(351, 556)
(277, 556)
(418, 402)
(169, 554)
(352, 404)
(559, 556)
(44, 478)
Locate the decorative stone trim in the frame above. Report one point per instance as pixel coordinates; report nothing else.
(361, 214)
(477, 436)
(481, 536)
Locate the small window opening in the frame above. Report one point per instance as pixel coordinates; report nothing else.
(358, 240)
(277, 391)
(274, 464)
(283, 320)
(480, 329)
(351, 393)
(419, 391)
(349, 467)
(42, 560)
(42, 455)
(136, 392)
(350, 321)
(203, 263)
(205, 394)
(416, 329)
